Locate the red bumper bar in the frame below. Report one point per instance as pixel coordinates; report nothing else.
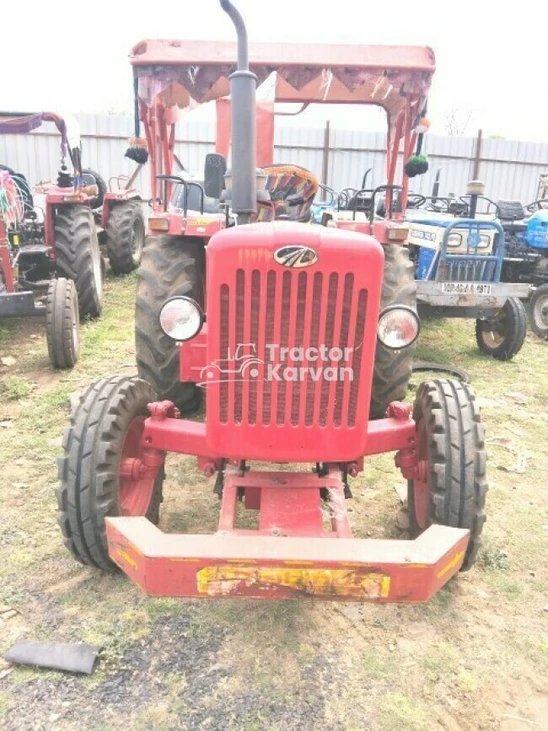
(269, 567)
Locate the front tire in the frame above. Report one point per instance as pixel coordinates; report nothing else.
(79, 257)
(62, 323)
(502, 335)
(450, 441)
(538, 311)
(393, 367)
(171, 266)
(105, 429)
(125, 236)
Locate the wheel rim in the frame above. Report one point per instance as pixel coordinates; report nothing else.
(136, 485)
(421, 489)
(540, 312)
(96, 264)
(493, 331)
(137, 241)
(75, 325)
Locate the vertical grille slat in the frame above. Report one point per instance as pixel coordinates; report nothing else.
(299, 342)
(255, 306)
(239, 322)
(223, 351)
(269, 338)
(291, 309)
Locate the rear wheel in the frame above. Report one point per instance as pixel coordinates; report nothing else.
(538, 311)
(79, 257)
(393, 367)
(62, 323)
(125, 236)
(451, 448)
(100, 472)
(171, 266)
(502, 335)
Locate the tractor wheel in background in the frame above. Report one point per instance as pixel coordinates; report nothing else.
(502, 335)
(450, 443)
(62, 323)
(97, 470)
(125, 236)
(101, 187)
(171, 266)
(393, 367)
(538, 311)
(79, 257)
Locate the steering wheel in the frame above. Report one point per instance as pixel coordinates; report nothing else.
(330, 192)
(345, 196)
(415, 200)
(535, 205)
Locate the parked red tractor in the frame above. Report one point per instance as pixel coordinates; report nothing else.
(280, 322)
(50, 249)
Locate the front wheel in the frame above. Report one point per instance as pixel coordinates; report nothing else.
(538, 311)
(62, 323)
(100, 471)
(450, 445)
(503, 333)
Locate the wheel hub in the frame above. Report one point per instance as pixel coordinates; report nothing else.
(136, 479)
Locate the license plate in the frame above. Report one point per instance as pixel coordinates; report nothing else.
(466, 288)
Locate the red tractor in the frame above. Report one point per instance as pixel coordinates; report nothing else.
(317, 308)
(50, 249)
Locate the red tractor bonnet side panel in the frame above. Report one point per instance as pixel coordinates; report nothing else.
(292, 315)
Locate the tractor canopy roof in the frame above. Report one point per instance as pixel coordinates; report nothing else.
(183, 73)
(20, 123)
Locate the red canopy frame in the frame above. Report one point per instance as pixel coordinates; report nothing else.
(174, 74)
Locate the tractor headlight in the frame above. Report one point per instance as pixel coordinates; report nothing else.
(181, 318)
(399, 327)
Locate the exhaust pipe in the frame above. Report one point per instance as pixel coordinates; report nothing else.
(243, 85)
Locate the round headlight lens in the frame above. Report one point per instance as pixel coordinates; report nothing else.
(398, 327)
(181, 318)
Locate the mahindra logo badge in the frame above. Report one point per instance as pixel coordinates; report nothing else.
(295, 257)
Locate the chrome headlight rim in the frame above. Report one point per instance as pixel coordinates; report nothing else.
(197, 308)
(400, 308)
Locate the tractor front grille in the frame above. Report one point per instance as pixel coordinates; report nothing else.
(283, 319)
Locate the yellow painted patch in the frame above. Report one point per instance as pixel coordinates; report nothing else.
(124, 557)
(451, 564)
(226, 580)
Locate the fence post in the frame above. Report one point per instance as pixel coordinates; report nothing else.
(326, 145)
(477, 158)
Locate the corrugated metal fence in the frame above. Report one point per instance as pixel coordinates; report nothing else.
(509, 169)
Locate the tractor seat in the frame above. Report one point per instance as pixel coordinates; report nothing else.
(510, 211)
(292, 191)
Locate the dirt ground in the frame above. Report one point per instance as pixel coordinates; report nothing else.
(474, 658)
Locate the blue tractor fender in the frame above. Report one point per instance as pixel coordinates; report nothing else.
(537, 230)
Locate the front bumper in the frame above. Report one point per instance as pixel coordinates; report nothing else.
(225, 565)
(20, 304)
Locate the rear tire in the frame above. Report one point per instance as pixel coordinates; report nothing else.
(451, 439)
(89, 469)
(79, 256)
(502, 335)
(171, 266)
(125, 236)
(62, 323)
(538, 311)
(393, 367)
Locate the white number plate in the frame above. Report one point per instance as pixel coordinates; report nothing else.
(466, 288)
